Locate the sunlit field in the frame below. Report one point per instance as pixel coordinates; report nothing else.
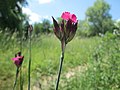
(88, 62)
(59, 45)
(45, 59)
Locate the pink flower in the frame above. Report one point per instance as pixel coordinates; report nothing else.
(18, 59)
(68, 15)
(65, 31)
(73, 18)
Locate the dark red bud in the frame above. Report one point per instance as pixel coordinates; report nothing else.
(68, 28)
(56, 29)
(62, 26)
(72, 32)
(19, 53)
(62, 29)
(30, 28)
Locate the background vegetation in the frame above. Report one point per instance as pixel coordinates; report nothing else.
(92, 59)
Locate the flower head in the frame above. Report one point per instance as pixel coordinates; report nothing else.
(65, 15)
(69, 16)
(18, 59)
(65, 31)
(30, 28)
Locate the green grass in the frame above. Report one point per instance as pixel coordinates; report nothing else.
(46, 52)
(103, 72)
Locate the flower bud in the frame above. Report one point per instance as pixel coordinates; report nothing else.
(72, 32)
(56, 29)
(67, 28)
(30, 28)
(18, 59)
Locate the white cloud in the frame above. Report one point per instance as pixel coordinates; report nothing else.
(44, 1)
(34, 17)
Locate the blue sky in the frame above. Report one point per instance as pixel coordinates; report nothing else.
(40, 9)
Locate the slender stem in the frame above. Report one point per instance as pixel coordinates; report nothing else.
(15, 82)
(61, 63)
(60, 69)
(29, 65)
(21, 79)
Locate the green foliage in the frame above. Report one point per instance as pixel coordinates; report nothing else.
(83, 28)
(37, 28)
(46, 25)
(103, 72)
(117, 28)
(11, 15)
(43, 27)
(99, 18)
(45, 59)
(99, 57)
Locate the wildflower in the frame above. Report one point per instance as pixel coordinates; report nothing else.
(65, 31)
(67, 16)
(30, 28)
(18, 59)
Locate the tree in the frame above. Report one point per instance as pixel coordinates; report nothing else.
(99, 19)
(43, 27)
(46, 25)
(83, 28)
(37, 28)
(11, 15)
(117, 28)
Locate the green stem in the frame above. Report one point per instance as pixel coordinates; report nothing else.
(20, 70)
(29, 65)
(21, 79)
(60, 66)
(15, 82)
(60, 69)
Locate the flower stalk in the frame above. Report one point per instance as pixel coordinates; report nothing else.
(20, 69)
(61, 63)
(18, 59)
(30, 28)
(15, 82)
(21, 79)
(65, 32)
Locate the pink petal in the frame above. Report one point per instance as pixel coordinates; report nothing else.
(17, 63)
(66, 15)
(14, 59)
(73, 18)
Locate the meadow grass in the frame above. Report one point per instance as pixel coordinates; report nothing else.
(46, 52)
(103, 72)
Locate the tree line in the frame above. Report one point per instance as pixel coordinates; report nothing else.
(97, 20)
